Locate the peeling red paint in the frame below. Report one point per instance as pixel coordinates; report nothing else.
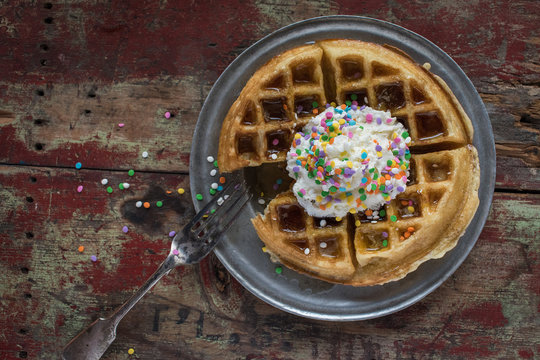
(488, 315)
(526, 353)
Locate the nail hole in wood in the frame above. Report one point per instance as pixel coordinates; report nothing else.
(212, 45)
(29, 199)
(48, 20)
(23, 354)
(40, 92)
(43, 62)
(33, 179)
(44, 47)
(39, 146)
(40, 122)
(29, 234)
(47, 5)
(27, 296)
(91, 94)
(24, 270)
(23, 331)
(87, 112)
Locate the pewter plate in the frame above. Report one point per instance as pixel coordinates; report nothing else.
(240, 249)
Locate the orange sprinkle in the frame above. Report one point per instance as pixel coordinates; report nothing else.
(343, 106)
(338, 171)
(222, 180)
(322, 207)
(369, 212)
(387, 177)
(168, 192)
(315, 111)
(303, 162)
(81, 248)
(401, 238)
(410, 229)
(320, 169)
(146, 205)
(397, 176)
(331, 141)
(407, 235)
(285, 106)
(404, 202)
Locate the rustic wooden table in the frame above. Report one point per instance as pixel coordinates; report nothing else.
(72, 71)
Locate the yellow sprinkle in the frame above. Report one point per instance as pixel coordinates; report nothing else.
(364, 206)
(352, 211)
(403, 167)
(131, 351)
(349, 164)
(264, 248)
(205, 215)
(297, 136)
(333, 104)
(379, 154)
(338, 218)
(344, 154)
(181, 191)
(357, 223)
(341, 121)
(333, 163)
(262, 194)
(411, 209)
(319, 198)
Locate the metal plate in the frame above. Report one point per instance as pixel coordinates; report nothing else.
(240, 249)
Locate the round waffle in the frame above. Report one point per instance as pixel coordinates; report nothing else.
(373, 247)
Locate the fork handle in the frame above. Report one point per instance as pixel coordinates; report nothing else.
(92, 342)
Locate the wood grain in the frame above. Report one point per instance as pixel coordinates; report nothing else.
(71, 71)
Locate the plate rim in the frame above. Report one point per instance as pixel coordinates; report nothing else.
(481, 214)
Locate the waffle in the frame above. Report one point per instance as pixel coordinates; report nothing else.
(373, 248)
(284, 94)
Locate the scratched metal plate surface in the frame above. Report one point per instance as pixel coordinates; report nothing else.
(240, 250)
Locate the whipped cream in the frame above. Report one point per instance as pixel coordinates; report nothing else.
(349, 159)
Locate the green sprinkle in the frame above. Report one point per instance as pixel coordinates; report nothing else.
(212, 211)
(159, 203)
(298, 152)
(310, 175)
(361, 190)
(348, 102)
(317, 182)
(324, 193)
(300, 194)
(385, 243)
(405, 135)
(131, 172)
(121, 186)
(389, 163)
(393, 218)
(382, 213)
(331, 128)
(382, 187)
(395, 152)
(317, 154)
(199, 197)
(212, 191)
(407, 156)
(324, 138)
(354, 97)
(328, 168)
(333, 189)
(215, 163)
(371, 170)
(315, 104)
(109, 189)
(373, 187)
(375, 176)
(279, 269)
(363, 197)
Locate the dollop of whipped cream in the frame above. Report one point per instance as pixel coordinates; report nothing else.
(349, 159)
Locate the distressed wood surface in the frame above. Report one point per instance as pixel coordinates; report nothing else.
(71, 71)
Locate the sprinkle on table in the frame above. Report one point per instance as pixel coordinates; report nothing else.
(181, 191)
(125, 229)
(79, 188)
(93, 258)
(109, 189)
(159, 204)
(78, 165)
(279, 269)
(146, 204)
(131, 172)
(80, 248)
(126, 185)
(199, 197)
(145, 154)
(121, 186)
(172, 233)
(131, 351)
(138, 204)
(121, 125)
(104, 181)
(167, 115)
(210, 159)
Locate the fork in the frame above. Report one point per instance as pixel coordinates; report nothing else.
(196, 240)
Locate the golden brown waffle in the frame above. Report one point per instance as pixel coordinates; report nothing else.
(422, 223)
(279, 97)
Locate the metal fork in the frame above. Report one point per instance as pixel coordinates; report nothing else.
(196, 240)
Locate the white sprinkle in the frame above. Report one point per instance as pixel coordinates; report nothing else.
(323, 223)
(214, 186)
(104, 181)
(138, 204)
(394, 170)
(306, 251)
(365, 100)
(323, 245)
(126, 185)
(210, 159)
(220, 201)
(226, 197)
(373, 221)
(213, 172)
(273, 156)
(145, 154)
(261, 201)
(408, 140)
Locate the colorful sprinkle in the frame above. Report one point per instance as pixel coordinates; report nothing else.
(138, 204)
(131, 351)
(279, 269)
(167, 115)
(172, 233)
(80, 248)
(79, 188)
(159, 204)
(131, 172)
(393, 218)
(181, 191)
(146, 205)
(121, 125)
(125, 229)
(210, 159)
(109, 190)
(104, 181)
(199, 197)
(78, 165)
(145, 154)
(93, 258)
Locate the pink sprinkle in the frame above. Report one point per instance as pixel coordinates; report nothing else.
(351, 135)
(404, 179)
(167, 115)
(79, 188)
(397, 140)
(303, 191)
(329, 115)
(121, 125)
(275, 141)
(125, 229)
(175, 252)
(388, 121)
(369, 118)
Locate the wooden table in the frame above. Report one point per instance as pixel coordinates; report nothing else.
(71, 72)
